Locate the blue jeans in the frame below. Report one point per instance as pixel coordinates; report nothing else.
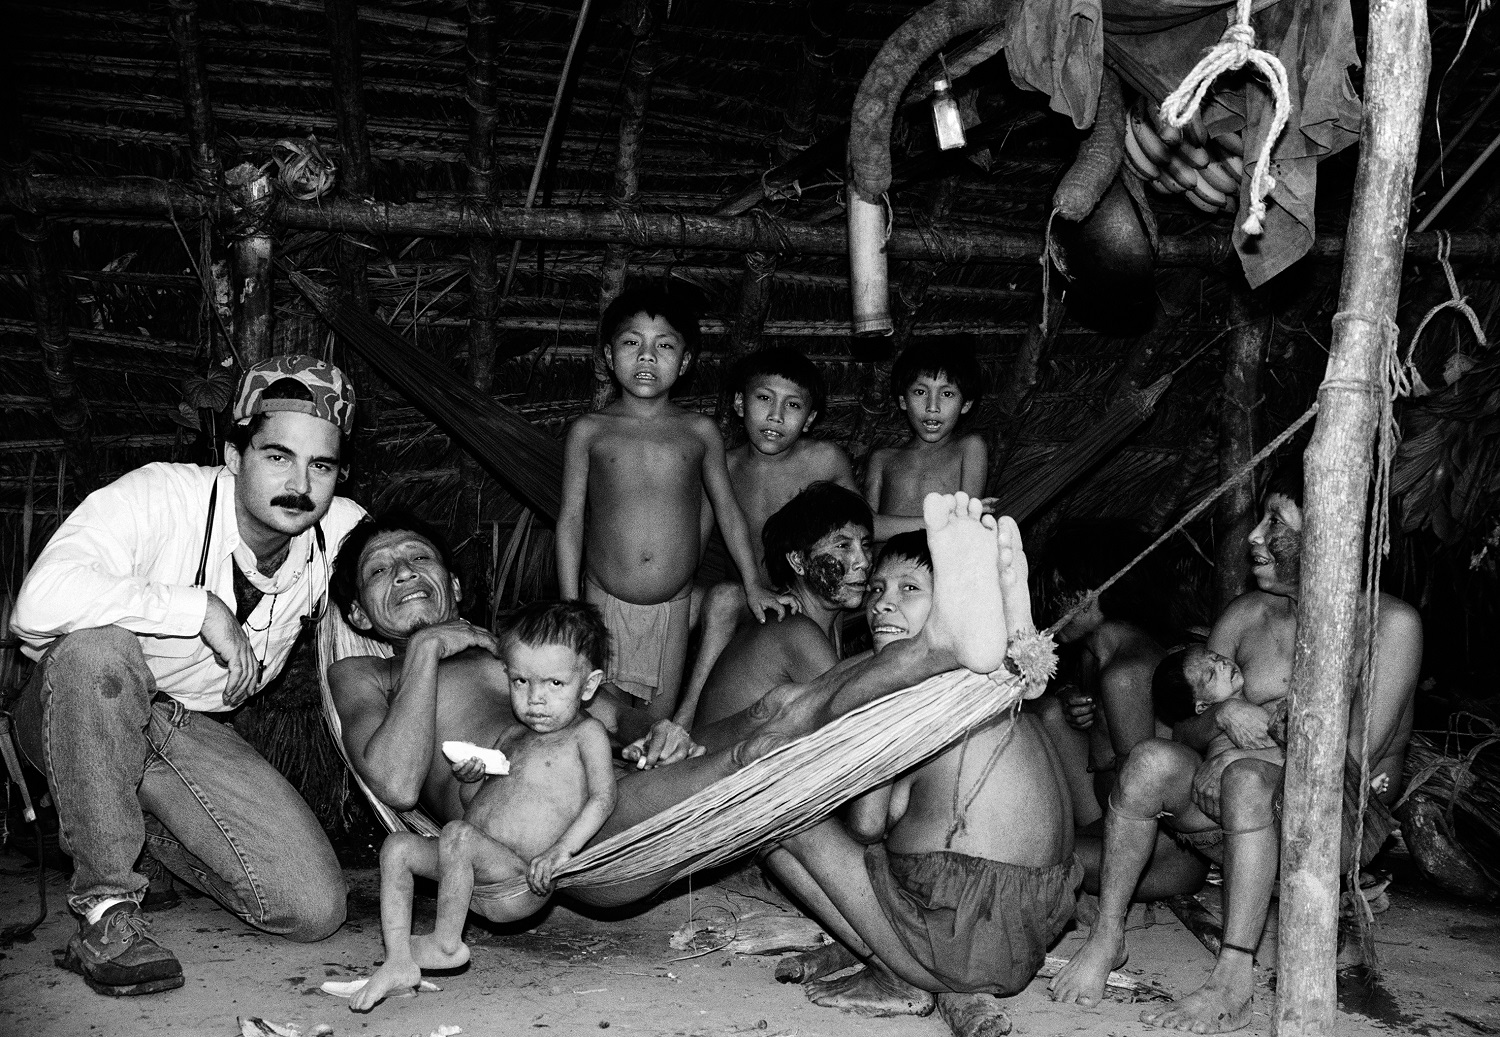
(129, 768)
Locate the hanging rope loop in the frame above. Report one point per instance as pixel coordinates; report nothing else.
(1236, 49)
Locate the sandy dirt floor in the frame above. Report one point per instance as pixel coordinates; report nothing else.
(570, 974)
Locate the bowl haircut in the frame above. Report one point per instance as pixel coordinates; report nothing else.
(784, 362)
(807, 518)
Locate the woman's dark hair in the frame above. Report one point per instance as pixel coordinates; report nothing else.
(910, 546)
(804, 520)
(1171, 691)
(1081, 555)
(343, 585)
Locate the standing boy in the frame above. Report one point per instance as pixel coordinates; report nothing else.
(781, 395)
(936, 385)
(172, 594)
(628, 533)
(523, 823)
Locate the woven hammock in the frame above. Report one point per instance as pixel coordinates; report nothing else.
(785, 792)
(1023, 497)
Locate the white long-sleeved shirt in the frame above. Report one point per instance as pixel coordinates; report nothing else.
(128, 556)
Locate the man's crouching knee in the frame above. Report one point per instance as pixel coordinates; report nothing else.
(314, 912)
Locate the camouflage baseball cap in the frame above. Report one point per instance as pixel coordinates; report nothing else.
(332, 395)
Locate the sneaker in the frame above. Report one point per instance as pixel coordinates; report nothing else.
(118, 956)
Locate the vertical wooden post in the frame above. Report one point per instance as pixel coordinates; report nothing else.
(1239, 431)
(354, 182)
(250, 262)
(484, 281)
(744, 334)
(193, 69)
(1338, 463)
(820, 42)
(636, 91)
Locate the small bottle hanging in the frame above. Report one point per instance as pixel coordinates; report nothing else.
(946, 121)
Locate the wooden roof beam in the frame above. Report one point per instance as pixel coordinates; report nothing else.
(183, 19)
(820, 42)
(461, 219)
(484, 281)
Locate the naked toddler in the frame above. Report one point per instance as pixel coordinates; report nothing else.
(526, 824)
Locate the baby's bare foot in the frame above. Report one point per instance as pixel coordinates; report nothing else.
(426, 952)
(1081, 981)
(968, 614)
(391, 978)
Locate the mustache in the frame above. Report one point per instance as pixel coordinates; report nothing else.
(296, 501)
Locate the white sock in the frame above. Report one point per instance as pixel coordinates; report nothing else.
(97, 911)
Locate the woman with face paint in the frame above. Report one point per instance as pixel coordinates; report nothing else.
(818, 551)
(1228, 807)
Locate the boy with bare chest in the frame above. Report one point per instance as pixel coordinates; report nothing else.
(628, 532)
(936, 385)
(524, 821)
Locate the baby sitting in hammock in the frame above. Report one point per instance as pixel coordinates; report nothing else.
(526, 823)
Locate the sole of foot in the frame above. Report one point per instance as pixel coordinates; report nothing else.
(968, 615)
(870, 992)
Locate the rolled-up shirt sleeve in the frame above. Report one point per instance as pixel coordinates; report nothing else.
(91, 573)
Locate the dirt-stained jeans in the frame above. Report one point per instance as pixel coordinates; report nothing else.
(125, 770)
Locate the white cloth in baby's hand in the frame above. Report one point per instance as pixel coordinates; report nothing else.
(494, 760)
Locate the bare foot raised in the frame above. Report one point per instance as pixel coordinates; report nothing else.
(814, 965)
(394, 977)
(871, 991)
(1015, 577)
(1215, 1007)
(968, 615)
(426, 952)
(1081, 981)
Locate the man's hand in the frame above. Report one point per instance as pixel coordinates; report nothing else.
(762, 600)
(543, 866)
(469, 770)
(667, 742)
(1078, 706)
(224, 635)
(448, 639)
(1248, 726)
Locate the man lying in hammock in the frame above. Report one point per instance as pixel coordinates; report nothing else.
(396, 713)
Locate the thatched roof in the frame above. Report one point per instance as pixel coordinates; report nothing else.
(99, 91)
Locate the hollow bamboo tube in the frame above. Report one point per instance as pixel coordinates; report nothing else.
(869, 287)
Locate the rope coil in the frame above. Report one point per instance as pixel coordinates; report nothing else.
(1235, 49)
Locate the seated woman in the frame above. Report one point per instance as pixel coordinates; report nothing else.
(1107, 709)
(817, 550)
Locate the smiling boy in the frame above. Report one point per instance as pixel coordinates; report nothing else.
(176, 591)
(935, 386)
(635, 476)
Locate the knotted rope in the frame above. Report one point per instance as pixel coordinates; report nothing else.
(1235, 49)
(1457, 301)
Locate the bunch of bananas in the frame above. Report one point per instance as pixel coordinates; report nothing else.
(1206, 171)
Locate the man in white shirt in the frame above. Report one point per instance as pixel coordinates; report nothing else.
(174, 593)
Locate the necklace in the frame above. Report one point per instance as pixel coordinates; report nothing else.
(265, 649)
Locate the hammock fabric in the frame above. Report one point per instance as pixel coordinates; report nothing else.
(526, 460)
(785, 792)
(1029, 493)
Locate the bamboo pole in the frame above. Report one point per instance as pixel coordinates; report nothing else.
(484, 282)
(1338, 464)
(250, 262)
(459, 218)
(1239, 430)
(183, 20)
(745, 330)
(625, 198)
(354, 183)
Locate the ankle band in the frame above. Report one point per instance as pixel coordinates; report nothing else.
(1225, 945)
